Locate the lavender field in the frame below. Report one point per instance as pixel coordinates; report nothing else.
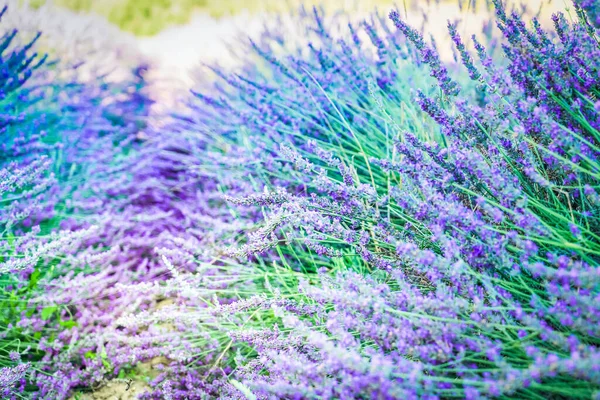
(345, 207)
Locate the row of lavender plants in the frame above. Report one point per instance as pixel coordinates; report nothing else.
(67, 122)
(348, 217)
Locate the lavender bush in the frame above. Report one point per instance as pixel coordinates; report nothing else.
(454, 227)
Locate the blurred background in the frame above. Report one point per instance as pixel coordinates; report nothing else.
(178, 36)
(149, 17)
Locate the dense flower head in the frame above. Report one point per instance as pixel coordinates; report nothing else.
(10, 377)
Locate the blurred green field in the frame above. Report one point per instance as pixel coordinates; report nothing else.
(148, 17)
